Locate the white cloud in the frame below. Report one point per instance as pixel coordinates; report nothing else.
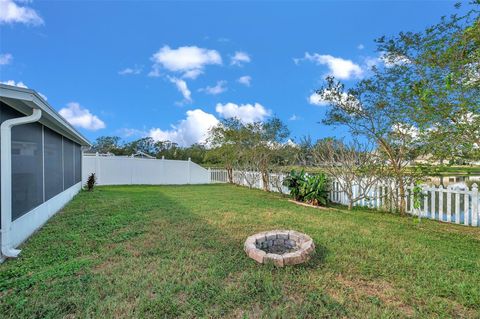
(239, 58)
(193, 129)
(245, 80)
(360, 46)
(390, 60)
(182, 88)
(340, 68)
(5, 58)
(10, 12)
(247, 113)
(192, 74)
(19, 84)
(131, 71)
(406, 130)
(189, 60)
(154, 72)
(78, 116)
(316, 99)
(294, 117)
(349, 102)
(129, 132)
(214, 90)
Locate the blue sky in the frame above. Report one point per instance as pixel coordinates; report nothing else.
(170, 70)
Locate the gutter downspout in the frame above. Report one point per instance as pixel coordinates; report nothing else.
(6, 182)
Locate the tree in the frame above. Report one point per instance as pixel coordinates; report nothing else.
(372, 109)
(107, 144)
(249, 146)
(355, 166)
(441, 67)
(145, 145)
(428, 88)
(225, 140)
(265, 140)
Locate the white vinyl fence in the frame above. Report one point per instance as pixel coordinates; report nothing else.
(119, 170)
(458, 205)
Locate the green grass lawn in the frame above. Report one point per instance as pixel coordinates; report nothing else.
(177, 251)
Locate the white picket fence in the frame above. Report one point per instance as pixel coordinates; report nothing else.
(250, 179)
(459, 205)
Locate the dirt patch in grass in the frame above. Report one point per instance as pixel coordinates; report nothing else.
(359, 288)
(308, 205)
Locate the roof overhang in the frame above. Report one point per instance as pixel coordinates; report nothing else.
(24, 100)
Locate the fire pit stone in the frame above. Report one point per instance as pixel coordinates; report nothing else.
(279, 247)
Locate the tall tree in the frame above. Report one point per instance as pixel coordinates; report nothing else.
(225, 140)
(355, 166)
(441, 82)
(251, 146)
(371, 109)
(107, 144)
(427, 89)
(145, 145)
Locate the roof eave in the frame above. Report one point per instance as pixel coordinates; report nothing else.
(32, 99)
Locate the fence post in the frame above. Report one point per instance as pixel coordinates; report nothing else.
(189, 170)
(449, 204)
(433, 202)
(410, 202)
(425, 201)
(475, 200)
(97, 168)
(466, 207)
(440, 203)
(457, 206)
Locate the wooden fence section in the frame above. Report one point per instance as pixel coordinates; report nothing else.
(459, 205)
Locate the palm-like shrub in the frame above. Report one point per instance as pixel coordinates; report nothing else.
(316, 189)
(313, 189)
(294, 182)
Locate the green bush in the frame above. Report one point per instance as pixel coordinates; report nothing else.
(294, 182)
(312, 189)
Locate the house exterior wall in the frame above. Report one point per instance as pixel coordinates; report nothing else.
(45, 173)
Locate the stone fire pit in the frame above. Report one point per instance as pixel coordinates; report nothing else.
(279, 247)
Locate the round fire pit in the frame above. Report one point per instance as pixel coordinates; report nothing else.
(279, 247)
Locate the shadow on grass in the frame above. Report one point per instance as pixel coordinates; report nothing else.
(139, 251)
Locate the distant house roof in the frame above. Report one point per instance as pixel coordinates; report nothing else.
(142, 154)
(24, 100)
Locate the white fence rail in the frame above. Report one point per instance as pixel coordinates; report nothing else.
(119, 170)
(459, 205)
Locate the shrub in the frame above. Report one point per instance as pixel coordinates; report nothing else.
(316, 189)
(91, 182)
(313, 189)
(294, 181)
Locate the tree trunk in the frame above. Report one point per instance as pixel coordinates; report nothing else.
(230, 175)
(401, 190)
(266, 181)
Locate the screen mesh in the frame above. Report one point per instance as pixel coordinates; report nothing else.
(43, 163)
(68, 164)
(53, 163)
(27, 168)
(6, 113)
(78, 163)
